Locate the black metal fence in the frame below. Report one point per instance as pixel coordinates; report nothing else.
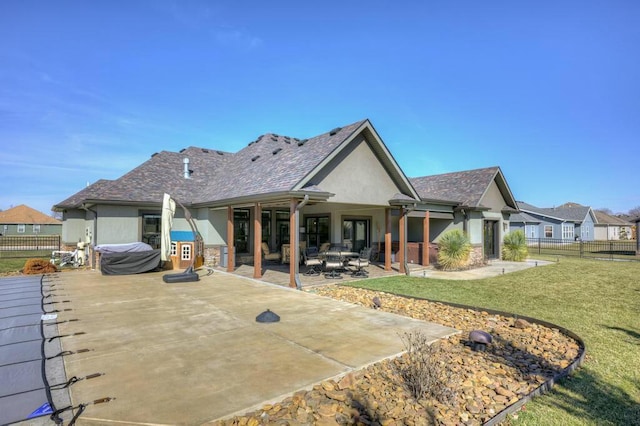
(12, 246)
(604, 250)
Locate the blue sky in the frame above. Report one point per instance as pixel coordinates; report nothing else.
(547, 90)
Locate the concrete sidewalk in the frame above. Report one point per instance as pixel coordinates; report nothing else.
(492, 269)
(191, 353)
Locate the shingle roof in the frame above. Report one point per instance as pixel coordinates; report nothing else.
(24, 214)
(523, 217)
(270, 164)
(607, 219)
(466, 187)
(570, 211)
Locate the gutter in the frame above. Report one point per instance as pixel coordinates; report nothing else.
(296, 254)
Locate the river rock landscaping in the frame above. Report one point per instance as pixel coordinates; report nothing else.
(479, 384)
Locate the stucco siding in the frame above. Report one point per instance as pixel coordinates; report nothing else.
(358, 177)
(73, 226)
(493, 198)
(212, 225)
(118, 225)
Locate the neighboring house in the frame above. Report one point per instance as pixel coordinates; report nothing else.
(342, 187)
(477, 201)
(610, 227)
(567, 222)
(23, 220)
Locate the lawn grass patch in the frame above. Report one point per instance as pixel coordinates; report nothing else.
(12, 265)
(598, 300)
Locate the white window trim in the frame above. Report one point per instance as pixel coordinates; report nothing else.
(21, 228)
(545, 231)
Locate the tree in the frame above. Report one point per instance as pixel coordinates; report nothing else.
(635, 212)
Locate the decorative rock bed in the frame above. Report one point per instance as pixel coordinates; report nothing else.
(524, 358)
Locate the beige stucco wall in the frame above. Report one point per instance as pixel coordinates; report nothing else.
(493, 198)
(74, 225)
(118, 225)
(357, 177)
(212, 225)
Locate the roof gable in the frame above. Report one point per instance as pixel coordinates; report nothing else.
(467, 187)
(607, 219)
(24, 214)
(569, 212)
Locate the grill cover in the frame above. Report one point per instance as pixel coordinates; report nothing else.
(130, 262)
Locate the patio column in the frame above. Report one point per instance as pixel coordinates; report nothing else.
(231, 255)
(403, 240)
(293, 243)
(387, 239)
(257, 241)
(425, 239)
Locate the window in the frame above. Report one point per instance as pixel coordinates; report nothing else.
(151, 224)
(21, 228)
(185, 252)
(36, 229)
(174, 248)
(317, 229)
(567, 232)
(548, 231)
(531, 231)
(266, 227)
(241, 230)
(282, 227)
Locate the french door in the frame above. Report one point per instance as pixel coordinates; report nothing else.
(355, 232)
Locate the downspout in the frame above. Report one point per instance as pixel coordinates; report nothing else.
(296, 254)
(94, 237)
(407, 210)
(465, 218)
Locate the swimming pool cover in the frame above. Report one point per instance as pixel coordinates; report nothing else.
(27, 330)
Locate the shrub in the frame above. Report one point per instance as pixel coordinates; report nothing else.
(515, 246)
(454, 250)
(425, 371)
(38, 266)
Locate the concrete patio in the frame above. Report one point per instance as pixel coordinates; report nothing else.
(192, 353)
(277, 273)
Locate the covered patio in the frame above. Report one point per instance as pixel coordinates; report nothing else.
(279, 274)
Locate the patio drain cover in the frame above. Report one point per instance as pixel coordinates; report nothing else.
(268, 316)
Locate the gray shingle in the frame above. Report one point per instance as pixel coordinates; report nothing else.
(466, 187)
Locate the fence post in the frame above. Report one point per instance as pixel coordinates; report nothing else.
(581, 248)
(611, 250)
(539, 246)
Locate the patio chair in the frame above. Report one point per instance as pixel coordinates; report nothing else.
(312, 261)
(361, 262)
(324, 247)
(268, 256)
(332, 265)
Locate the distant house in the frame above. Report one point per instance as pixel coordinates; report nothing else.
(610, 227)
(23, 220)
(569, 221)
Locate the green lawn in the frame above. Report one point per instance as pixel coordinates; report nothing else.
(12, 264)
(598, 300)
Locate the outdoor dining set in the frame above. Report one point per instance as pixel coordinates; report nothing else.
(334, 260)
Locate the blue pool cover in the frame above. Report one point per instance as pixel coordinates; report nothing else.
(24, 388)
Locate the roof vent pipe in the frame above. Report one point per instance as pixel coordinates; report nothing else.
(187, 174)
